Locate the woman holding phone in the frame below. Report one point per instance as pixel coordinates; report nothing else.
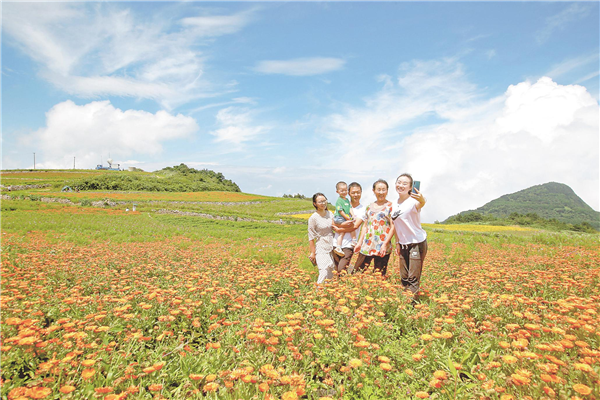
(411, 239)
(320, 238)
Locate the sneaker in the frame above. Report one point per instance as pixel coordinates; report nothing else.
(338, 250)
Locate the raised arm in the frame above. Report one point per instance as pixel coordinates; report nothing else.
(419, 197)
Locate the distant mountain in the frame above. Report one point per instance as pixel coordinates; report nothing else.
(551, 201)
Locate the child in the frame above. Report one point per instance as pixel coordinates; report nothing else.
(342, 214)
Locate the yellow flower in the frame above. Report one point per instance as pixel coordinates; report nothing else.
(441, 375)
(508, 359)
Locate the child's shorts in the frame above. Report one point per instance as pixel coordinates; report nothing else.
(339, 219)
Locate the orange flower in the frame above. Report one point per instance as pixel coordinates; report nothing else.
(582, 389)
(88, 363)
(88, 373)
(386, 366)
(508, 359)
(435, 383)
(106, 389)
(355, 363)
(417, 357)
(39, 392)
(66, 389)
(155, 387)
(263, 387)
(196, 377)
(211, 387)
(289, 396)
(583, 367)
(158, 366)
(18, 392)
(422, 395)
(441, 375)
(211, 377)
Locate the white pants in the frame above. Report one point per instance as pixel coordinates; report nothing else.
(325, 265)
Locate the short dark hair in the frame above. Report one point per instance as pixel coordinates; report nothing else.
(337, 185)
(315, 198)
(406, 175)
(381, 181)
(354, 184)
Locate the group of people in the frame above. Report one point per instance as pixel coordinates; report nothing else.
(333, 237)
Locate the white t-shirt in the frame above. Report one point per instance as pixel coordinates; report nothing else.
(359, 213)
(407, 221)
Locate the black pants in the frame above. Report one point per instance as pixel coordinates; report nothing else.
(411, 264)
(380, 263)
(341, 263)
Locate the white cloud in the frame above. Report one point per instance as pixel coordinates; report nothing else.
(300, 66)
(90, 132)
(217, 25)
(574, 12)
(100, 49)
(236, 126)
(467, 150)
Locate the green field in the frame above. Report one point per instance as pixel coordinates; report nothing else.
(221, 302)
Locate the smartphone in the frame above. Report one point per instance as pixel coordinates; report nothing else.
(416, 185)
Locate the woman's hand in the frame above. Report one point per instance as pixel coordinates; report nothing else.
(357, 248)
(418, 197)
(313, 257)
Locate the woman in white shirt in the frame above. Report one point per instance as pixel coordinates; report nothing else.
(411, 239)
(320, 238)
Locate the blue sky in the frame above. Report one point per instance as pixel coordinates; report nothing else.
(474, 99)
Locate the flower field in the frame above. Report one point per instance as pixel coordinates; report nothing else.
(181, 318)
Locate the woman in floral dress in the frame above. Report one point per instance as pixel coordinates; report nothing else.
(374, 243)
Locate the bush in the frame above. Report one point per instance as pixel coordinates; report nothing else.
(171, 179)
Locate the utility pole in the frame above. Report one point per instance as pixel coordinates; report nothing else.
(33, 160)
(73, 162)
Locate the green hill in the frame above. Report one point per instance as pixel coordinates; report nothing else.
(552, 201)
(179, 178)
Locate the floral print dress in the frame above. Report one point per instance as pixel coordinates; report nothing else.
(378, 229)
